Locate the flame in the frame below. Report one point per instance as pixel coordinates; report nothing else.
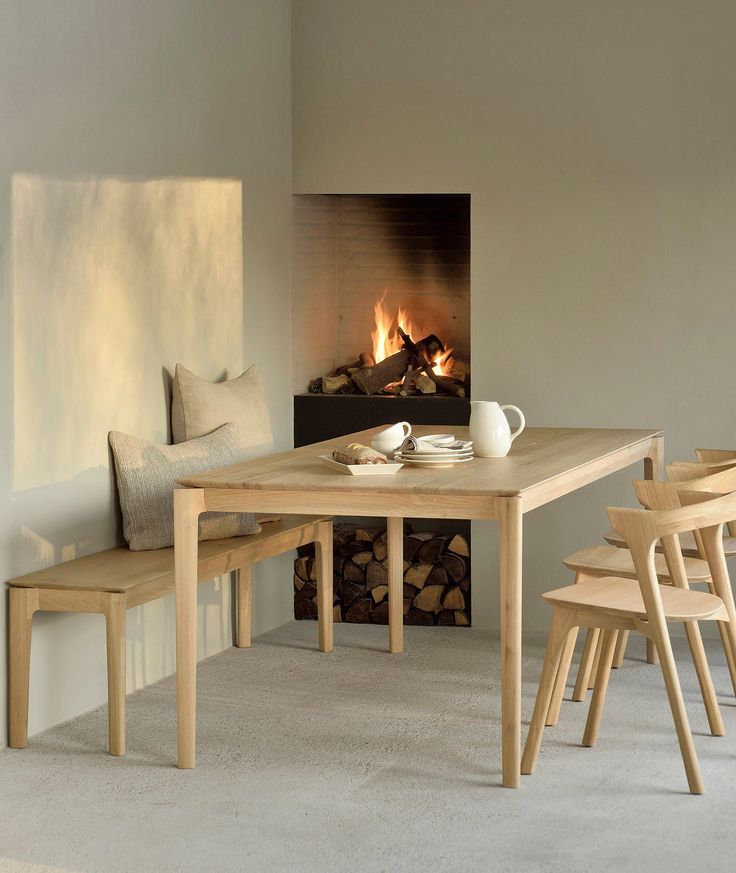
(386, 339)
(382, 336)
(442, 363)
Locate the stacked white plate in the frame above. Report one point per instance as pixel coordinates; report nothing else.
(448, 451)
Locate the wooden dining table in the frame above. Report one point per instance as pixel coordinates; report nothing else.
(543, 464)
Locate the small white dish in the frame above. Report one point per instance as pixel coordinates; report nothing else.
(361, 469)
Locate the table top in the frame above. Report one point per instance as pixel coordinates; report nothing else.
(539, 454)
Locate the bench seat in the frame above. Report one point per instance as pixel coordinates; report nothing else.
(118, 579)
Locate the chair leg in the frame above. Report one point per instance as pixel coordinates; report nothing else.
(652, 657)
(596, 662)
(724, 628)
(243, 610)
(586, 664)
(619, 653)
(705, 680)
(593, 723)
(677, 705)
(115, 621)
(563, 620)
(563, 671)
(323, 550)
(23, 602)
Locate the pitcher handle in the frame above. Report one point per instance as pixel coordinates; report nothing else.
(522, 420)
(406, 427)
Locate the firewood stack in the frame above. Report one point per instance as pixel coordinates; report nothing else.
(436, 578)
(407, 372)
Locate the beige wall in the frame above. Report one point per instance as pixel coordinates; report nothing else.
(145, 180)
(597, 140)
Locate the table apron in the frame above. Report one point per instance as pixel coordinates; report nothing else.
(366, 503)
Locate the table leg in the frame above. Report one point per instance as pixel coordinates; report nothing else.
(188, 504)
(395, 545)
(654, 469)
(510, 541)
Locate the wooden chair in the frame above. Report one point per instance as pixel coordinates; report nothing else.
(665, 497)
(598, 562)
(682, 471)
(616, 604)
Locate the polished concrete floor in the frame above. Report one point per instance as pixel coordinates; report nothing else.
(358, 761)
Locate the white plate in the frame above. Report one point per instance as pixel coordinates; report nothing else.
(438, 462)
(361, 469)
(433, 456)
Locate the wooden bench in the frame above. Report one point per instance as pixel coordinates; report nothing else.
(110, 582)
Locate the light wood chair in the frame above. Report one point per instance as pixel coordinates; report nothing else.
(616, 604)
(718, 461)
(598, 562)
(683, 477)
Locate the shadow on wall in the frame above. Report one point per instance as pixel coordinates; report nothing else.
(114, 281)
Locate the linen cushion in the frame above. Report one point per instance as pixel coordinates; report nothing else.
(147, 474)
(199, 406)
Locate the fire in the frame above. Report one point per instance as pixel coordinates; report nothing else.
(442, 363)
(386, 339)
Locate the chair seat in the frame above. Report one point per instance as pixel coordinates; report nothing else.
(687, 543)
(622, 598)
(613, 561)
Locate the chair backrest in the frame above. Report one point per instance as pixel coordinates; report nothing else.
(681, 470)
(642, 528)
(701, 477)
(662, 496)
(715, 456)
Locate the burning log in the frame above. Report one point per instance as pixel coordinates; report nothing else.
(365, 360)
(333, 384)
(371, 380)
(424, 384)
(417, 353)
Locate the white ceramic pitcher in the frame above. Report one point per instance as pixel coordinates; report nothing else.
(489, 428)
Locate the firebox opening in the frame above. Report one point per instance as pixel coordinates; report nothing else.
(382, 295)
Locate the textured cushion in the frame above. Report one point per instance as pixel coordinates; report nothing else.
(146, 474)
(199, 406)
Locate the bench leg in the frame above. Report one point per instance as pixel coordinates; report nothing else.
(23, 603)
(115, 620)
(244, 580)
(323, 550)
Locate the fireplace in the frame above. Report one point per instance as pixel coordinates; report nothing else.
(381, 333)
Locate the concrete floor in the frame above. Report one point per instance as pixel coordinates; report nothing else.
(358, 761)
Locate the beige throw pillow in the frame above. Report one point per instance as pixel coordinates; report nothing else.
(147, 474)
(199, 406)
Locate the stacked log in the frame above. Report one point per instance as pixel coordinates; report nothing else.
(436, 586)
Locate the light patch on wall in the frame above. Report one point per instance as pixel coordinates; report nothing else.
(115, 279)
